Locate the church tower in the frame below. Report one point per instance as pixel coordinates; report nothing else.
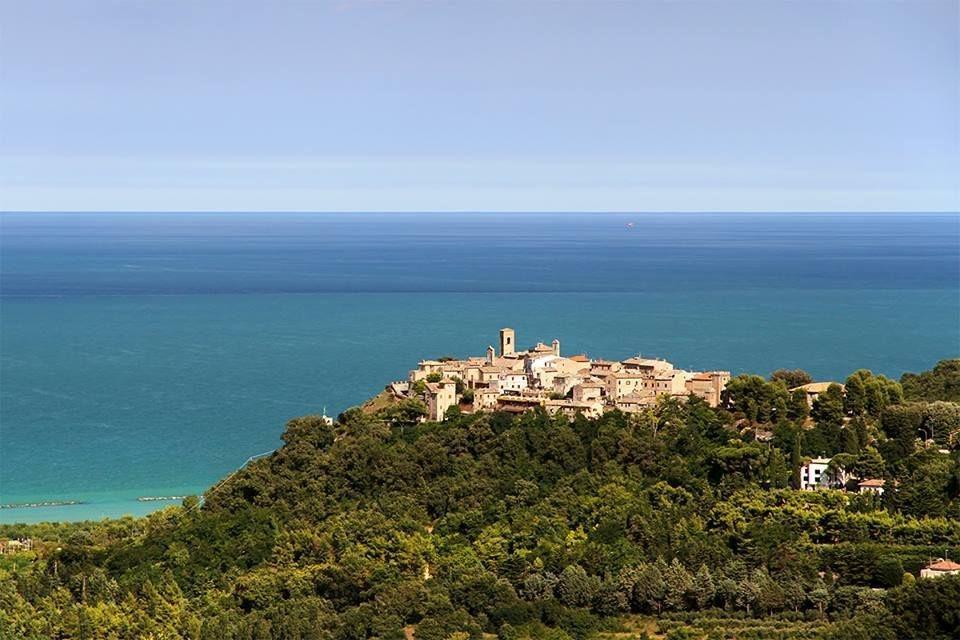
(556, 347)
(507, 341)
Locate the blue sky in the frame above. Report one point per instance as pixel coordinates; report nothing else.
(512, 106)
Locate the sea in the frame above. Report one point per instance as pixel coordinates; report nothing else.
(148, 355)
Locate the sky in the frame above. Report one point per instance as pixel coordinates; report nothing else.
(848, 105)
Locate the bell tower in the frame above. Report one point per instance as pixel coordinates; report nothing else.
(508, 339)
(556, 347)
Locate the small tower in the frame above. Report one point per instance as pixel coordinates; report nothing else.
(556, 347)
(491, 353)
(507, 341)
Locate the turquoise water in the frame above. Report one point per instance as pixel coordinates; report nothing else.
(149, 355)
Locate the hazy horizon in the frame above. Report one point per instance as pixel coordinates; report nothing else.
(478, 212)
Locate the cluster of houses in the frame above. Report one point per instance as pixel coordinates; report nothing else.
(515, 380)
(15, 545)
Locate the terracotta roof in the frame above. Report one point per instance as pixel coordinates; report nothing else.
(872, 482)
(580, 357)
(943, 565)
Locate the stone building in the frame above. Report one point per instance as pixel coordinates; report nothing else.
(514, 379)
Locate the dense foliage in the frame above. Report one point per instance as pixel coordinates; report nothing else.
(942, 383)
(536, 526)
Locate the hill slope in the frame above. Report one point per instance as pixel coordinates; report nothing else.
(528, 526)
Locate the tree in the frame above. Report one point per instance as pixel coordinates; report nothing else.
(855, 398)
(851, 443)
(867, 394)
(575, 588)
(757, 399)
(650, 588)
(941, 422)
(791, 377)
(818, 596)
(828, 407)
(405, 413)
(794, 591)
(679, 586)
(878, 397)
(749, 592)
(868, 464)
(941, 383)
(889, 571)
(507, 632)
(925, 491)
(901, 424)
(539, 586)
(704, 590)
(795, 462)
(771, 596)
(737, 465)
(797, 407)
(928, 609)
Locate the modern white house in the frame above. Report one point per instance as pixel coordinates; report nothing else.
(813, 474)
(817, 474)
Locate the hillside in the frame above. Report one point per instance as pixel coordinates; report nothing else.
(681, 520)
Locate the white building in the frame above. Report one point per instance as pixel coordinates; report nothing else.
(814, 474)
(513, 382)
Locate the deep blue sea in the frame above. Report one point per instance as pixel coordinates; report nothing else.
(151, 354)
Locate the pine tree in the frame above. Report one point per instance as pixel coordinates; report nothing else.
(703, 588)
(795, 459)
(679, 585)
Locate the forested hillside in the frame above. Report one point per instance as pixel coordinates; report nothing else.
(680, 521)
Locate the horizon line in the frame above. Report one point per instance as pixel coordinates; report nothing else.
(488, 211)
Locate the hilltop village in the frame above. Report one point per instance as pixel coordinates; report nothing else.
(517, 380)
